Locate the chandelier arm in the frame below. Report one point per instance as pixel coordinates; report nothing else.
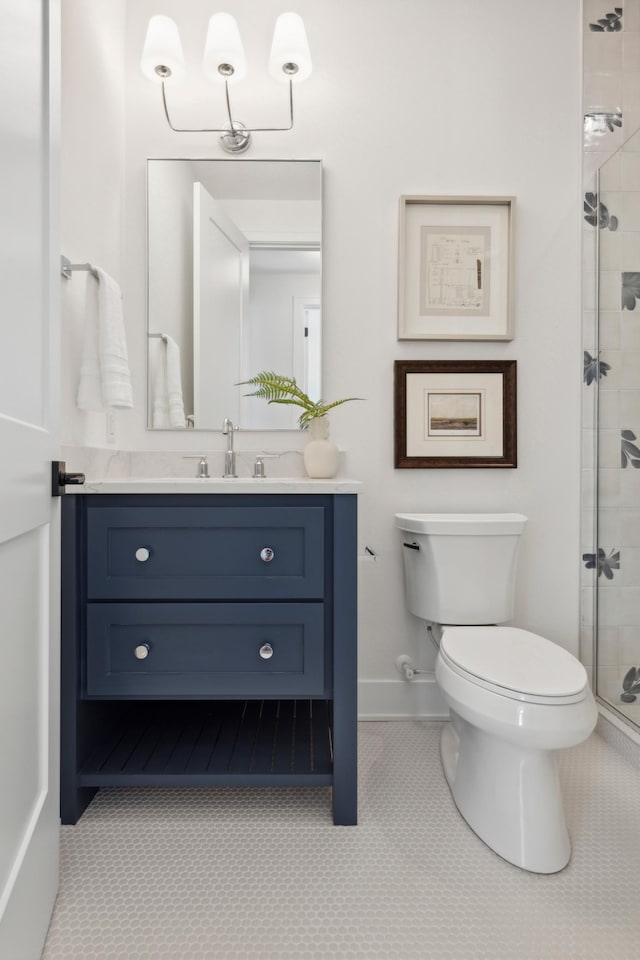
(233, 125)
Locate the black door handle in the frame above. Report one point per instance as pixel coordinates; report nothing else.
(60, 478)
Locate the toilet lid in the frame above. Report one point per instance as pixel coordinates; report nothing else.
(515, 660)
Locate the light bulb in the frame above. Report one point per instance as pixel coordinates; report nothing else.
(162, 54)
(224, 57)
(290, 57)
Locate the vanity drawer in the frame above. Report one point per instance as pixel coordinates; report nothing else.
(205, 553)
(203, 649)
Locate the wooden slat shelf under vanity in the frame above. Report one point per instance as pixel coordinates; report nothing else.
(267, 743)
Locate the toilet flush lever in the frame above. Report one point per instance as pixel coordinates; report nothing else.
(411, 546)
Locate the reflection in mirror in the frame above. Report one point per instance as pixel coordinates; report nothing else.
(234, 286)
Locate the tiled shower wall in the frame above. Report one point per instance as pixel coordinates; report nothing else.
(612, 353)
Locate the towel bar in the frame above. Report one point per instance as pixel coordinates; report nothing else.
(67, 268)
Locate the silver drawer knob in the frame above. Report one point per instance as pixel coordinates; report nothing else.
(267, 554)
(142, 554)
(142, 651)
(266, 651)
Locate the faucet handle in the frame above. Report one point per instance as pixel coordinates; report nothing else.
(203, 466)
(258, 466)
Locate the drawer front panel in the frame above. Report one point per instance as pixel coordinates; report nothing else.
(203, 553)
(202, 650)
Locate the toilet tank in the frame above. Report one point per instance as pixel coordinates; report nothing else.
(460, 568)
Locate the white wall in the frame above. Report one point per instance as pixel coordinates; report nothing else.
(91, 181)
(411, 97)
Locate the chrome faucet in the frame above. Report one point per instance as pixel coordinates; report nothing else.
(230, 454)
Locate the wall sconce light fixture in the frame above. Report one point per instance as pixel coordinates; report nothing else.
(225, 63)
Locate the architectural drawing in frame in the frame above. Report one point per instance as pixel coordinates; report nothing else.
(454, 269)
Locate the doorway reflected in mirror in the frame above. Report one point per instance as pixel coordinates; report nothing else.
(234, 280)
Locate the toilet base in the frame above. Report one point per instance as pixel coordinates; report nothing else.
(509, 795)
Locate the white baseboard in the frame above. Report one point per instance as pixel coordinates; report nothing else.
(418, 699)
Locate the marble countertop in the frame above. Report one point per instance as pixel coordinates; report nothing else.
(218, 485)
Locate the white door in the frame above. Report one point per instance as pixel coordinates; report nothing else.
(29, 519)
(307, 344)
(220, 298)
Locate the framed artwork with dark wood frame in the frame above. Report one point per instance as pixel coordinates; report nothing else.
(455, 413)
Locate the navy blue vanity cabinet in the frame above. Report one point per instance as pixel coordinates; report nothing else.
(208, 639)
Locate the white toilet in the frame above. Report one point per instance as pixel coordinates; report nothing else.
(514, 697)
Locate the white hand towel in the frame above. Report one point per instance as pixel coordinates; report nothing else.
(112, 345)
(168, 406)
(90, 386)
(105, 379)
(160, 396)
(174, 384)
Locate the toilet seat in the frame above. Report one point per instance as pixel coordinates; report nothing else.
(514, 663)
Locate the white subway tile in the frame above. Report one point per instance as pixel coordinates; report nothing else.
(630, 410)
(608, 488)
(610, 241)
(630, 51)
(602, 92)
(610, 286)
(629, 332)
(609, 331)
(603, 51)
(608, 646)
(609, 527)
(630, 373)
(609, 445)
(631, 15)
(630, 91)
(610, 607)
(629, 530)
(630, 646)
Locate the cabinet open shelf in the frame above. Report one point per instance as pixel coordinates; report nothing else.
(214, 743)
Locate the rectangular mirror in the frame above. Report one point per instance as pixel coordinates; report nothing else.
(233, 288)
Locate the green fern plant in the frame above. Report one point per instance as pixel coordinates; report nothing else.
(275, 388)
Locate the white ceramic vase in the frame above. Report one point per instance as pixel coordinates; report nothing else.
(320, 454)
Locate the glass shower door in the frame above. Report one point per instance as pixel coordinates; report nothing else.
(616, 376)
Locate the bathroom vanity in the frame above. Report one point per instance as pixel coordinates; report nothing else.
(209, 637)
